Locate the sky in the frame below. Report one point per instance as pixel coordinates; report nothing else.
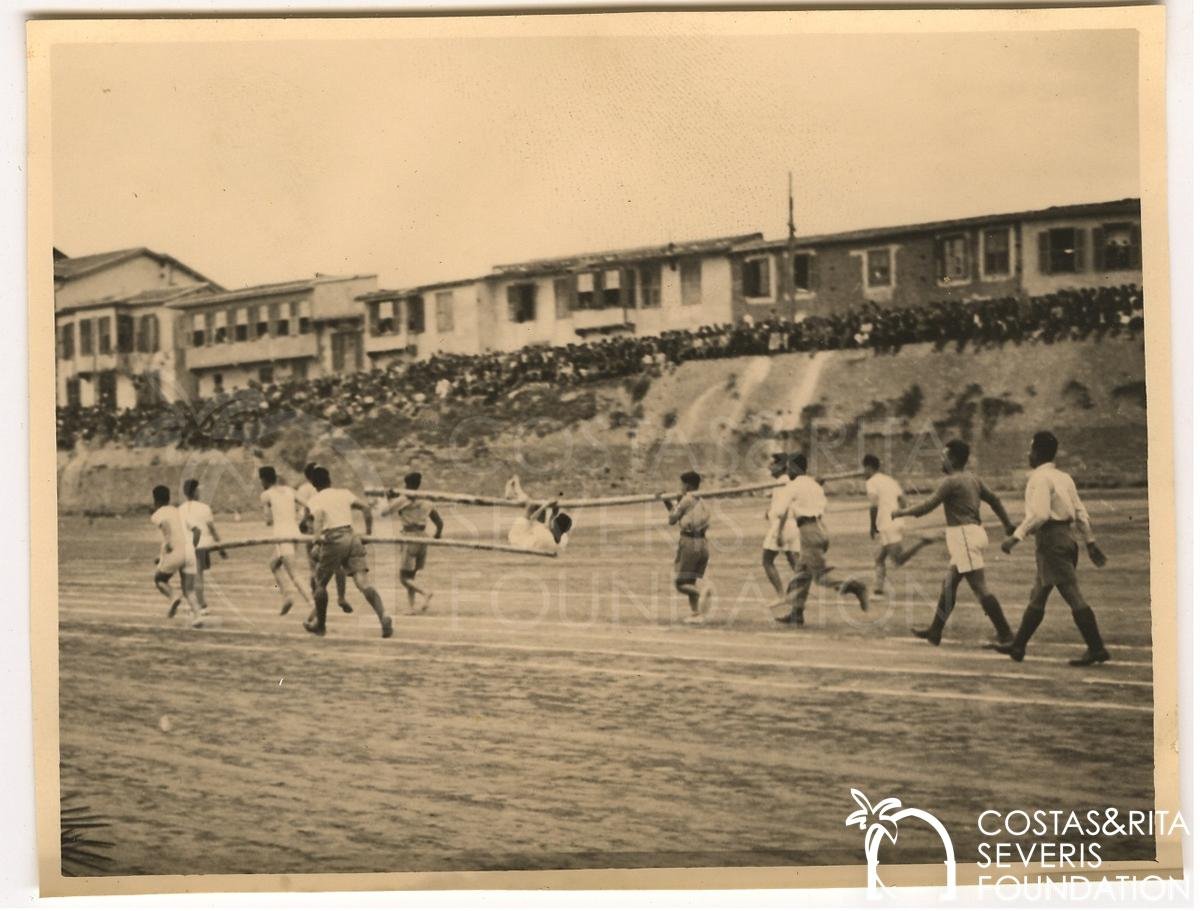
(423, 160)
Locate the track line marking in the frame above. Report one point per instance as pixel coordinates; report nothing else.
(691, 659)
(753, 685)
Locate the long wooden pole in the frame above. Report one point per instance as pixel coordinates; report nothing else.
(467, 499)
(391, 539)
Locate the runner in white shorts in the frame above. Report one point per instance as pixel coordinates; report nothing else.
(959, 495)
(885, 497)
(176, 555)
(279, 506)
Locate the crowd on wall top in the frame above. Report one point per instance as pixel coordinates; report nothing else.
(343, 400)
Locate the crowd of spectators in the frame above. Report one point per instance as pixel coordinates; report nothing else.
(344, 399)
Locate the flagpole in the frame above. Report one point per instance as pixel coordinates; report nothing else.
(790, 266)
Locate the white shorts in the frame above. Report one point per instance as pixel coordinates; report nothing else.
(791, 539)
(286, 549)
(176, 561)
(966, 544)
(890, 533)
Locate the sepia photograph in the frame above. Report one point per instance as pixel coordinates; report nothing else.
(583, 451)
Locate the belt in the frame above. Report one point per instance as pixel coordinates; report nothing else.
(807, 520)
(414, 527)
(1056, 523)
(692, 534)
(337, 532)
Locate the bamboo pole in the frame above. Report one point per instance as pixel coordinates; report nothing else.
(391, 539)
(467, 499)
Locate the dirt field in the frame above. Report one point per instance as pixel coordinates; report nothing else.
(558, 714)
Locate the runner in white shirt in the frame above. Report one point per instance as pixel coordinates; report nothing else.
(806, 508)
(304, 493)
(332, 510)
(279, 508)
(777, 518)
(176, 555)
(542, 527)
(886, 496)
(198, 519)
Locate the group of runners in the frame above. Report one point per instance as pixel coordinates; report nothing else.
(795, 528)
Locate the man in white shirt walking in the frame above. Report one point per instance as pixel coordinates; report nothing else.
(1052, 510)
(199, 522)
(806, 508)
(885, 497)
(332, 510)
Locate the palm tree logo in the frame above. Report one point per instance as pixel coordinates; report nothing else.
(882, 820)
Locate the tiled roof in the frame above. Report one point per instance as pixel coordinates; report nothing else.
(69, 268)
(1116, 206)
(289, 287)
(145, 298)
(613, 257)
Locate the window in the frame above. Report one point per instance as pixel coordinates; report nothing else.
(802, 272)
(1118, 246)
(221, 327)
(73, 397)
(266, 374)
(261, 321)
(879, 268)
(66, 341)
(85, 336)
(650, 285)
(689, 282)
(996, 255)
(416, 314)
(612, 288)
(104, 335)
(1060, 250)
(125, 333)
(147, 340)
(756, 277)
(241, 330)
(106, 387)
(585, 291)
(279, 316)
(303, 311)
(952, 258)
(149, 388)
(564, 297)
(522, 303)
(218, 383)
(385, 318)
(444, 304)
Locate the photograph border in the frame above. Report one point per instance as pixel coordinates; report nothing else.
(44, 34)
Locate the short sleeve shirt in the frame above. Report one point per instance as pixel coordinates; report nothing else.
(331, 508)
(197, 515)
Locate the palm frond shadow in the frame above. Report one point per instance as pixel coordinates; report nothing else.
(82, 852)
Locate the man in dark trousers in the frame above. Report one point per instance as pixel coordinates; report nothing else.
(959, 495)
(1052, 510)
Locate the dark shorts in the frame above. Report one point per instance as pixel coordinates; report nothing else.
(691, 559)
(203, 560)
(1057, 555)
(412, 557)
(340, 550)
(814, 542)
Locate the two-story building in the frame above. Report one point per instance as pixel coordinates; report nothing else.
(114, 329)
(642, 291)
(1018, 254)
(274, 333)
